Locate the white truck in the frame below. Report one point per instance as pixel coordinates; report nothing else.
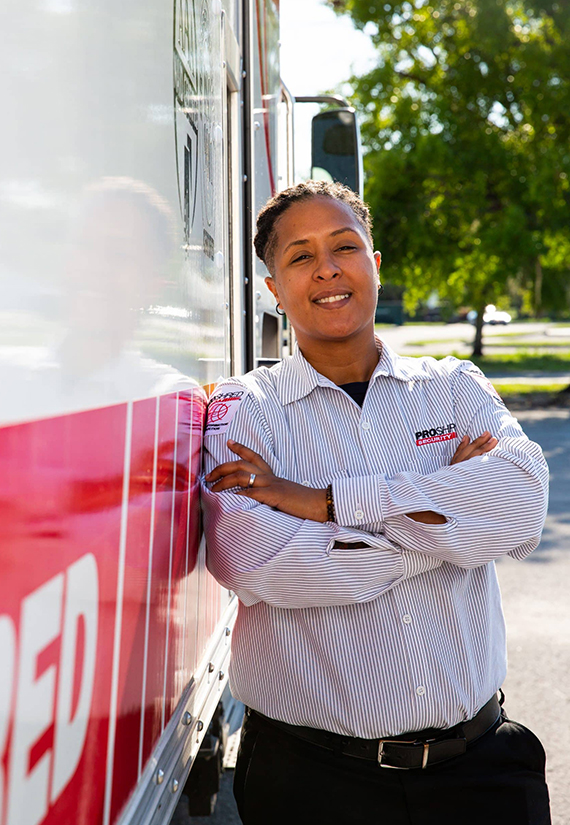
(139, 138)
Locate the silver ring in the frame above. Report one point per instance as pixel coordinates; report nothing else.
(251, 481)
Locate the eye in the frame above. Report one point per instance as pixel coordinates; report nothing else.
(300, 257)
(346, 246)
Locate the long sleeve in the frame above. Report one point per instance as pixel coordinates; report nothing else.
(494, 504)
(265, 555)
(374, 650)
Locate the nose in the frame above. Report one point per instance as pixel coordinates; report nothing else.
(327, 268)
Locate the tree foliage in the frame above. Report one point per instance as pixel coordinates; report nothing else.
(466, 128)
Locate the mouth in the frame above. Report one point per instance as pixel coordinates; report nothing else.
(333, 300)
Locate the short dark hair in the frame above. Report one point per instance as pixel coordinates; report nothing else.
(266, 237)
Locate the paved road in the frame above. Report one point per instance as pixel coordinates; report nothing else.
(535, 597)
(537, 609)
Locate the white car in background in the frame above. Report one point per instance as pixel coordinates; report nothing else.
(492, 315)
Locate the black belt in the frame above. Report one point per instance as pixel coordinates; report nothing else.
(406, 751)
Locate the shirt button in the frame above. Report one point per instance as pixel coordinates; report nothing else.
(420, 690)
(407, 618)
(365, 425)
(359, 514)
(306, 483)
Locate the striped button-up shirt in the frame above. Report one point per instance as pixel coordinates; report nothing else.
(407, 632)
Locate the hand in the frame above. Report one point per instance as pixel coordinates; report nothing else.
(287, 496)
(469, 449)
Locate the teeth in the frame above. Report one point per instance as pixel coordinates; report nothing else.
(332, 298)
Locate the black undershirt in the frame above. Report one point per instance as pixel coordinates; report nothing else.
(356, 390)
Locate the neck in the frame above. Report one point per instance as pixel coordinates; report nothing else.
(343, 362)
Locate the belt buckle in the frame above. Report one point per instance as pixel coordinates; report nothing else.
(381, 754)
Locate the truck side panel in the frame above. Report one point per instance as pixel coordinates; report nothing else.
(113, 316)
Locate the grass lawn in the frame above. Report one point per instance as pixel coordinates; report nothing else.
(527, 389)
(431, 341)
(504, 335)
(528, 344)
(491, 341)
(518, 362)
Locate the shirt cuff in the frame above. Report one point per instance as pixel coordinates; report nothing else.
(357, 501)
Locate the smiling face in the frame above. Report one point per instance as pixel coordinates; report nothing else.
(325, 274)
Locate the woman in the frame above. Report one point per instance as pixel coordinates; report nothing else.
(356, 501)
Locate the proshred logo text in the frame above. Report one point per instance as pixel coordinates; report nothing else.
(446, 432)
(36, 699)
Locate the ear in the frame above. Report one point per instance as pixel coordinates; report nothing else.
(271, 286)
(378, 260)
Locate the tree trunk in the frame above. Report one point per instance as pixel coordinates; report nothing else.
(478, 340)
(537, 288)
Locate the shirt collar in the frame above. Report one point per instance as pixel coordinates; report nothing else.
(296, 378)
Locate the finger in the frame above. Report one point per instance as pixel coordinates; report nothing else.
(459, 452)
(477, 448)
(238, 479)
(464, 441)
(490, 445)
(482, 439)
(248, 455)
(480, 443)
(482, 450)
(226, 483)
(230, 467)
(469, 449)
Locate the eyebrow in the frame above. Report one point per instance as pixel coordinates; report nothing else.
(305, 240)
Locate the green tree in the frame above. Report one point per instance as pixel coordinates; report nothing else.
(466, 128)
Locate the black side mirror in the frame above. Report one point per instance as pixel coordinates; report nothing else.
(335, 148)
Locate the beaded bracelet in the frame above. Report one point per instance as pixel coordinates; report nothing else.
(331, 516)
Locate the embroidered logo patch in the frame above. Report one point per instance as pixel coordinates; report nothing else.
(446, 432)
(222, 408)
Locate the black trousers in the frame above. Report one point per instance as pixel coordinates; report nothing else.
(282, 780)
